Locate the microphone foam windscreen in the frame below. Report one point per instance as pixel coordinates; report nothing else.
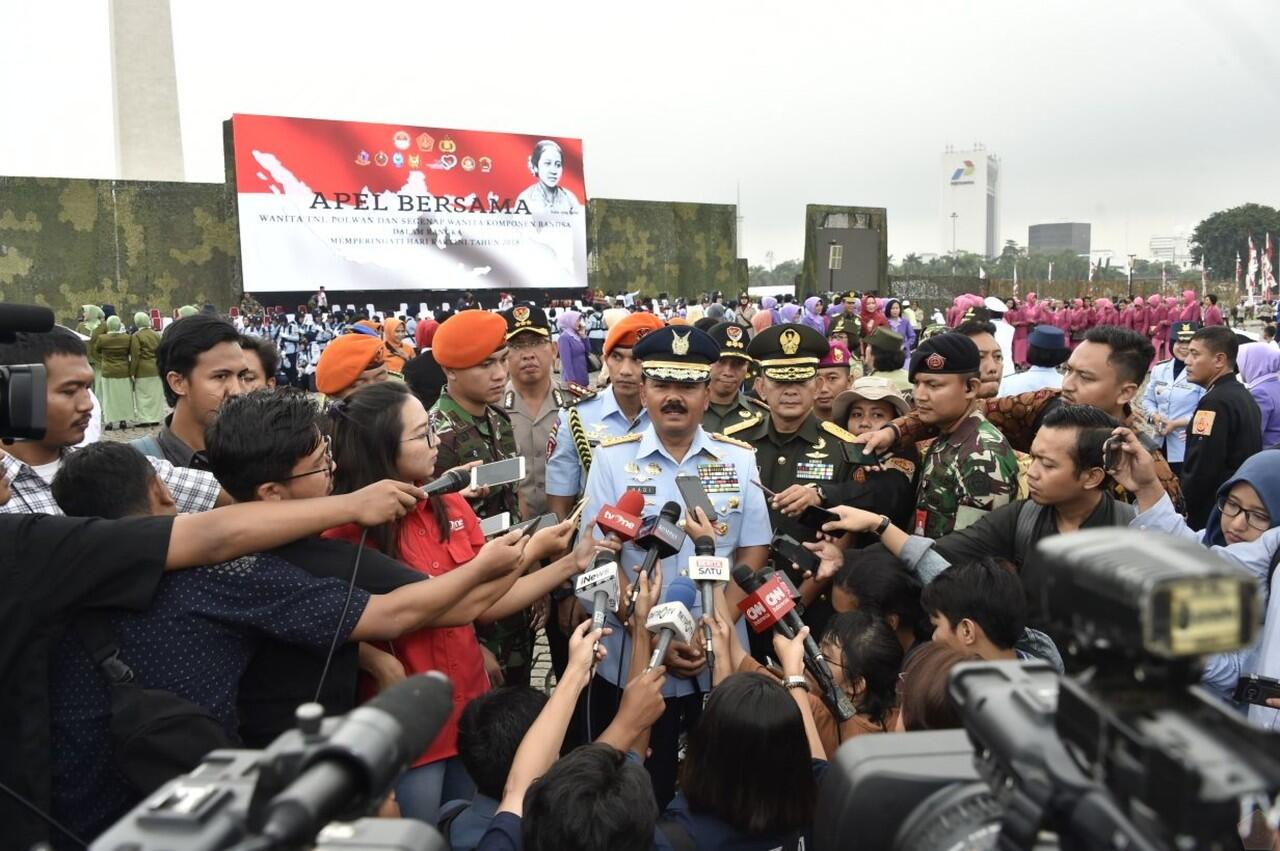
(682, 590)
(671, 511)
(25, 317)
(632, 502)
(746, 578)
(421, 704)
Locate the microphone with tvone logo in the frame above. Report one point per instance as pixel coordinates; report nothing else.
(706, 569)
(659, 537)
(672, 620)
(622, 521)
(768, 606)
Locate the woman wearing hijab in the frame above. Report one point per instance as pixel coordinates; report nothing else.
(813, 315)
(398, 352)
(1190, 307)
(900, 325)
(1170, 398)
(1158, 324)
(110, 347)
(1247, 505)
(1106, 312)
(1258, 364)
(789, 312)
(872, 316)
(573, 349)
(148, 391)
(767, 315)
(424, 333)
(1079, 321)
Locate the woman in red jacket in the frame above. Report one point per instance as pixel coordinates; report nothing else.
(382, 432)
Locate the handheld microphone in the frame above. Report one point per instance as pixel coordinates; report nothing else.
(672, 620)
(451, 482)
(659, 537)
(706, 569)
(622, 521)
(768, 606)
(368, 751)
(598, 587)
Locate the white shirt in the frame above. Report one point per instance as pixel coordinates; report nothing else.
(1035, 378)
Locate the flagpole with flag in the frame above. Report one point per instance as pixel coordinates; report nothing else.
(1251, 270)
(1015, 278)
(1268, 258)
(1051, 271)
(1238, 273)
(1204, 275)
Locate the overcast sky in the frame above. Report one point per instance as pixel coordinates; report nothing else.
(1139, 117)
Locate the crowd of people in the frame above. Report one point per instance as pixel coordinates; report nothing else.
(212, 560)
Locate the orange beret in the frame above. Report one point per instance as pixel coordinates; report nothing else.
(678, 320)
(342, 361)
(629, 331)
(468, 337)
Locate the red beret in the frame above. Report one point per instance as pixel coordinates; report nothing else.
(468, 337)
(344, 359)
(629, 331)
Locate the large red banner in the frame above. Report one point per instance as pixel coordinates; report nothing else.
(353, 206)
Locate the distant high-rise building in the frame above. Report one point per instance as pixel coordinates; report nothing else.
(1173, 250)
(1057, 237)
(969, 218)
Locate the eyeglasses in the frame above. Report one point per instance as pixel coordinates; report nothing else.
(327, 469)
(432, 439)
(1259, 520)
(527, 341)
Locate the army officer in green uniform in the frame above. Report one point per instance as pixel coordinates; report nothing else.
(730, 407)
(471, 348)
(803, 461)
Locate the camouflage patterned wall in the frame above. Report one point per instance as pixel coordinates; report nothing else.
(819, 216)
(662, 247)
(137, 245)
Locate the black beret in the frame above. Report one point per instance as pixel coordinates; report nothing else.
(946, 354)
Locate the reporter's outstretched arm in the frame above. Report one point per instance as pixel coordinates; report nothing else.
(790, 654)
(226, 533)
(540, 747)
(527, 590)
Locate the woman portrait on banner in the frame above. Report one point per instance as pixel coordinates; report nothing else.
(547, 195)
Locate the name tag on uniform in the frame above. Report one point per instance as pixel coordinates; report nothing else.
(821, 470)
(719, 478)
(647, 490)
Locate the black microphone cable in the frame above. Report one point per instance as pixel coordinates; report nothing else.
(346, 607)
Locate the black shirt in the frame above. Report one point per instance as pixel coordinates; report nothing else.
(50, 569)
(282, 676)
(1225, 430)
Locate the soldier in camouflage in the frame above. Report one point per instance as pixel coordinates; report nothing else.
(471, 348)
(970, 468)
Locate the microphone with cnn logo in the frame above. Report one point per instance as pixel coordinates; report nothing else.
(768, 606)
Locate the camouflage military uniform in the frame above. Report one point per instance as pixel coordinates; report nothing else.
(964, 474)
(464, 438)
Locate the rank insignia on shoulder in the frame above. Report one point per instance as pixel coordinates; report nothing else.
(622, 438)
(579, 391)
(509, 400)
(723, 438)
(742, 426)
(843, 434)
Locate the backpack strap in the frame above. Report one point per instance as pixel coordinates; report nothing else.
(1028, 514)
(99, 640)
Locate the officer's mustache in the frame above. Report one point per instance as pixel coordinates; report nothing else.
(674, 406)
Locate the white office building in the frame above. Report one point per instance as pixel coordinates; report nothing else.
(969, 214)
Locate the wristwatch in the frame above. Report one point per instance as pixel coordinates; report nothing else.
(884, 524)
(796, 682)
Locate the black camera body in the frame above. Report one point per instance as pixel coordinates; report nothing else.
(215, 805)
(22, 386)
(1131, 754)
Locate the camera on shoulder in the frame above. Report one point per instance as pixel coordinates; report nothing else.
(22, 386)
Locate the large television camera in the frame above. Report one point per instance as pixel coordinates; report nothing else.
(22, 386)
(312, 787)
(1130, 754)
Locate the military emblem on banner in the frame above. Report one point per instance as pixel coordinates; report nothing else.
(425, 142)
(415, 160)
(468, 164)
(400, 140)
(380, 159)
(362, 158)
(397, 159)
(448, 146)
(486, 165)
